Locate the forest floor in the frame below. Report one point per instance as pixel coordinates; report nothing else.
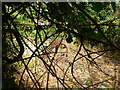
(74, 71)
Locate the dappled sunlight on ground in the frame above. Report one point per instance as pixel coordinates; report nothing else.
(73, 71)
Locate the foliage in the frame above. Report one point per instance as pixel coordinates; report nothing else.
(8, 76)
(95, 23)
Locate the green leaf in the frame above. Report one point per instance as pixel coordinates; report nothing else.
(92, 64)
(113, 6)
(97, 6)
(96, 36)
(106, 85)
(69, 39)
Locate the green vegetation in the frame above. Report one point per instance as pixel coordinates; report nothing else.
(28, 28)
